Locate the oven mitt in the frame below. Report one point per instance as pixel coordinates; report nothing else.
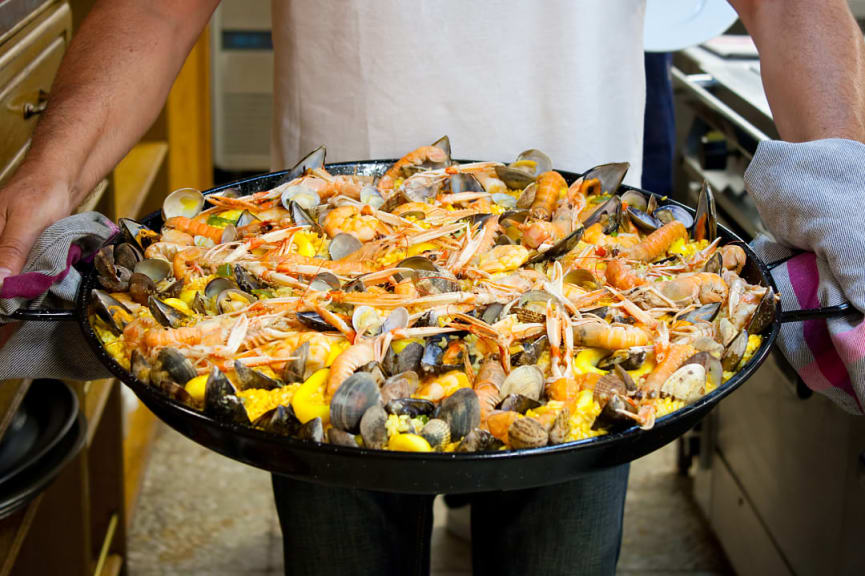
(41, 349)
(811, 196)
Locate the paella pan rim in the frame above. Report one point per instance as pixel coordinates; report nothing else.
(627, 444)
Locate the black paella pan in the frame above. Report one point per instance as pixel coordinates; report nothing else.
(409, 472)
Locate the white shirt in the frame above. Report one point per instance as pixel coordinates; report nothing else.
(378, 78)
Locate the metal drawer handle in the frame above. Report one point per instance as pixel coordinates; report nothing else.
(31, 110)
(692, 84)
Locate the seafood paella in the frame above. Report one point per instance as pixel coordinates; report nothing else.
(439, 306)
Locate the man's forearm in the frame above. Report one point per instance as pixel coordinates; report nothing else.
(812, 59)
(111, 86)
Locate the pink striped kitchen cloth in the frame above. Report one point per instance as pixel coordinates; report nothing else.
(811, 197)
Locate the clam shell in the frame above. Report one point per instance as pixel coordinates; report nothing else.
(343, 245)
(525, 380)
(437, 433)
(396, 320)
(462, 411)
(341, 438)
(127, 255)
(636, 200)
(232, 300)
(216, 286)
(324, 282)
(561, 426)
(366, 321)
(506, 201)
(479, 440)
(671, 212)
(303, 196)
(643, 221)
(140, 288)
(400, 385)
(687, 383)
(370, 196)
(527, 198)
(517, 403)
(462, 182)
(352, 399)
(534, 161)
(154, 268)
(527, 433)
(186, 202)
(372, 427)
(712, 366)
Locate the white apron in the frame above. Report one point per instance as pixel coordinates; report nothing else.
(378, 78)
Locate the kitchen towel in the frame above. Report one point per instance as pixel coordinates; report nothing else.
(810, 195)
(36, 349)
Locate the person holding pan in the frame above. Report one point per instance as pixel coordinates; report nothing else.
(379, 77)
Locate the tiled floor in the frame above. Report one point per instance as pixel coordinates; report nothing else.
(202, 514)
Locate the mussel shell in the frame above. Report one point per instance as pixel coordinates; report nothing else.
(444, 144)
(432, 361)
(479, 440)
(341, 438)
(635, 199)
(177, 365)
(715, 264)
(217, 286)
(164, 314)
(249, 378)
(311, 161)
(418, 263)
(154, 268)
(245, 219)
(186, 202)
(343, 245)
(705, 313)
(373, 428)
(527, 433)
(670, 212)
(463, 182)
(535, 300)
(140, 288)
(246, 281)
(462, 411)
(324, 282)
(401, 385)
(408, 360)
(302, 217)
(295, 370)
(610, 175)
(706, 217)
(612, 415)
(140, 366)
(280, 421)
(628, 359)
(352, 399)
(111, 310)
(560, 248)
(437, 432)
(609, 214)
(531, 352)
(643, 221)
(492, 313)
(137, 233)
(527, 198)
(412, 407)
(504, 200)
(227, 298)
(764, 315)
(526, 380)
(315, 321)
(518, 403)
(735, 351)
(312, 431)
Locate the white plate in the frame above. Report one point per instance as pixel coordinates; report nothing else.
(675, 24)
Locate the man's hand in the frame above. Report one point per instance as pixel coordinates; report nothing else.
(29, 203)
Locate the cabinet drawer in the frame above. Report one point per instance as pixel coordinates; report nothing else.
(28, 63)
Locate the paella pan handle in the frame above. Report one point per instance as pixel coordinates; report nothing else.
(790, 316)
(44, 314)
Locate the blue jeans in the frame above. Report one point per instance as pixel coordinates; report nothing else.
(570, 528)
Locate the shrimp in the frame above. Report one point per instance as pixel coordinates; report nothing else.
(503, 258)
(352, 358)
(195, 227)
(135, 331)
(177, 237)
(657, 243)
(622, 275)
(205, 333)
(539, 232)
(488, 385)
(549, 186)
(185, 261)
(163, 250)
(499, 422)
(702, 288)
(733, 257)
(576, 196)
(348, 219)
(674, 359)
(306, 266)
(414, 158)
(603, 335)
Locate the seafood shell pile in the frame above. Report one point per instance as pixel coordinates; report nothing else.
(435, 307)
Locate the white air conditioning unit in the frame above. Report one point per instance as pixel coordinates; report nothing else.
(242, 60)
